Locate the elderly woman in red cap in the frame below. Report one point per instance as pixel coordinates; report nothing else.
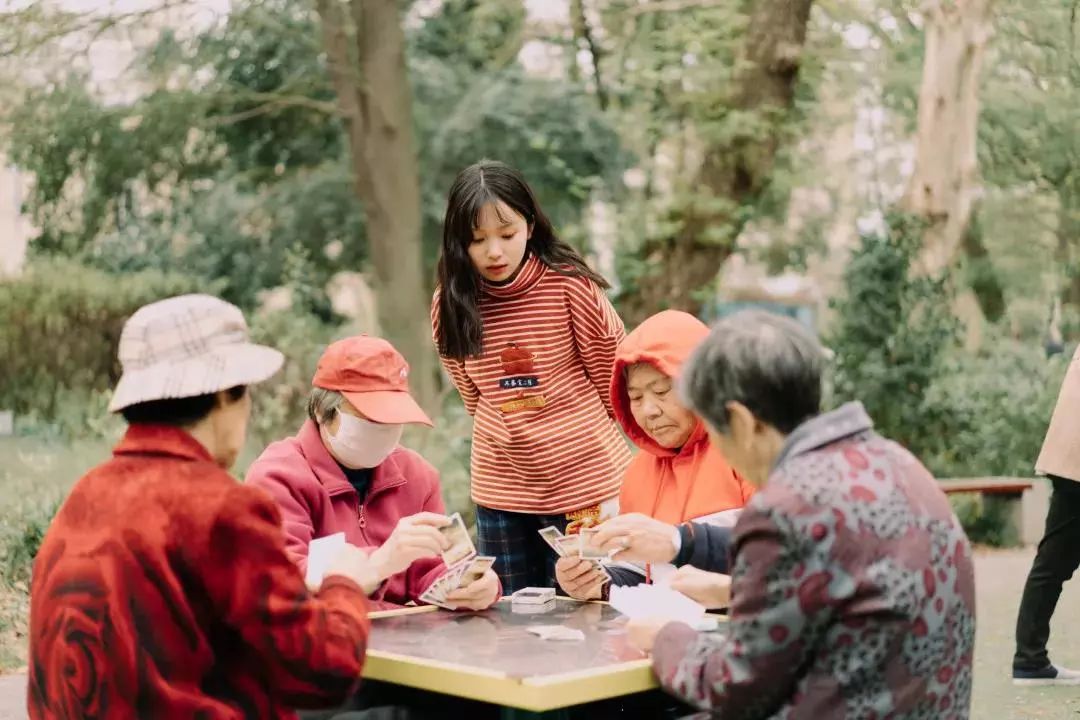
(345, 472)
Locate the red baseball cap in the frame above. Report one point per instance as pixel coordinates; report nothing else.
(373, 376)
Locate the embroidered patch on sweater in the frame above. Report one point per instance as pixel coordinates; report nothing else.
(519, 365)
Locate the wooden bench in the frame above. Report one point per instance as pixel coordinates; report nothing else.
(1008, 486)
(1010, 489)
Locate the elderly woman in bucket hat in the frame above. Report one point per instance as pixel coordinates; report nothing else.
(345, 472)
(162, 588)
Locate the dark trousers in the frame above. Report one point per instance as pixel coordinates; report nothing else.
(522, 558)
(382, 701)
(1055, 562)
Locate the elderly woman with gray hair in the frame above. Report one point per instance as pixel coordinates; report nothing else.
(852, 589)
(345, 472)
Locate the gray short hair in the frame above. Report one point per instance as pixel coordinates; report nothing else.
(323, 404)
(769, 363)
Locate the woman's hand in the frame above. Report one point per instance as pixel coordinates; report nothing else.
(579, 578)
(415, 537)
(637, 538)
(355, 564)
(712, 590)
(643, 632)
(478, 595)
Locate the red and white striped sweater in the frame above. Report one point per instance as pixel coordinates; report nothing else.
(544, 441)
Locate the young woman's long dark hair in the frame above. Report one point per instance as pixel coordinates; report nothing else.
(460, 331)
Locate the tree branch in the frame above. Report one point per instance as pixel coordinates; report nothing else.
(339, 66)
(272, 102)
(674, 6)
(583, 31)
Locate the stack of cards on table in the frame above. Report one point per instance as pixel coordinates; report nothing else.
(463, 565)
(575, 546)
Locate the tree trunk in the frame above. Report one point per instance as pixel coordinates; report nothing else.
(942, 188)
(583, 32)
(982, 276)
(682, 267)
(375, 100)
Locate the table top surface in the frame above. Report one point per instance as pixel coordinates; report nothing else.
(491, 656)
(498, 639)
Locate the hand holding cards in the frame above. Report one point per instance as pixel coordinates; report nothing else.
(577, 545)
(465, 569)
(415, 537)
(331, 555)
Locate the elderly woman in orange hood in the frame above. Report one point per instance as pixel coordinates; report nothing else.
(678, 476)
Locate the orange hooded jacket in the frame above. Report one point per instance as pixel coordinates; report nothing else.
(673, 486)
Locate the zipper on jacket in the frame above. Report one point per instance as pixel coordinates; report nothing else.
(360, 515)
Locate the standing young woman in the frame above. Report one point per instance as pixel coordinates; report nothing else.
(526, 333)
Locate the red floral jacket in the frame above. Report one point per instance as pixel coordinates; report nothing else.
(162, 589)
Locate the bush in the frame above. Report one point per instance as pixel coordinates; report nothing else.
(448, 446)
(962, 414)
(987, 414)
(892, 331)
(60, 323)
(280, 404)
(985, 519)
(19, 545)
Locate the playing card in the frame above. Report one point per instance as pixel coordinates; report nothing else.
(436, 593)
(587, 550)
(550, 535)
(556, 632)
(461, 545)
(433, 600)
(321, 552)
(474, 570)
(567, 545)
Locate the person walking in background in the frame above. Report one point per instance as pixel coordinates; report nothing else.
(1058, 555)
(528, 337)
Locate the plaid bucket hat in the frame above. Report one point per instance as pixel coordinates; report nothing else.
(186, 346)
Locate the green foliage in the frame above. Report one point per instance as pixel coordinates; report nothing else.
(985, 519)
(892, 330)
(279, 406)
(19, 548)
(60, 324)
(987, 414)
(235, 156)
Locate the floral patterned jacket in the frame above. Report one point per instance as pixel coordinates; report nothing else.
(852, 591)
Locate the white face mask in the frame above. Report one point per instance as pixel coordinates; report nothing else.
(360, 443)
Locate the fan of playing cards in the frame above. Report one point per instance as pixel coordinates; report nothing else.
(463, 565)
(576, 546)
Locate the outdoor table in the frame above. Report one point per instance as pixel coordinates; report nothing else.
(491, 657)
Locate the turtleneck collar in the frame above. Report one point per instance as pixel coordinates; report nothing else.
(531, 271)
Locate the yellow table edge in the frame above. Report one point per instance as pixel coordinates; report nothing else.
(538, 694)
